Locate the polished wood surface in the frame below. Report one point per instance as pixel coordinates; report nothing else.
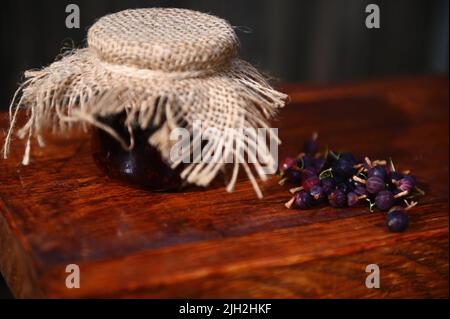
(127, 242)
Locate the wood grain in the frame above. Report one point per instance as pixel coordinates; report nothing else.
(128, 242)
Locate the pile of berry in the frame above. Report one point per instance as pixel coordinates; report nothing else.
(341, 181)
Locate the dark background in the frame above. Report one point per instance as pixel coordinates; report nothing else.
(294, 40)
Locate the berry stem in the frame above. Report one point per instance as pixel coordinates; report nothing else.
(363, 175)
(420, 191)
(368, 162)
(302, 162)
(296, 189)
(336, 156)
(290, 202)
(401, 194)
(379, 162)
(359, 179)
(371, 205)
(326, 173)
(391, 163)
(300, 155)
(410, 205)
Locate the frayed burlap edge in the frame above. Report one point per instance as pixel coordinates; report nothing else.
(79, 87)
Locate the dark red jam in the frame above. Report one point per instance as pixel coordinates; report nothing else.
(142, 166)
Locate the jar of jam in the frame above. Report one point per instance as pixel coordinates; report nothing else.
(184, 64)
(142, 166)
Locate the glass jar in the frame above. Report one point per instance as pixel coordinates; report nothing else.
(142, 166)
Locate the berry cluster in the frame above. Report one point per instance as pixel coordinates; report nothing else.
(342, 181)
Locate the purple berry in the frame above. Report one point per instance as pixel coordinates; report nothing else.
(379, 171)
(311, 146)
(308, 161)
(343, 168)
(360, 190)
(293, 175)
(352, 199)
(384, 200)
(351, 183)
(397, 220)
(320, 164)
(287, 164)
(406, 184)
(317, 194)
(375, 184)
(302, 200)
(310, 182)
(328, 184)
(354, 184)
(308, 172)
(348, 157)
(337, 198)
(338, 179)
(344, 187)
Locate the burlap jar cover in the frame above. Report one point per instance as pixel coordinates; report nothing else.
(165, 68)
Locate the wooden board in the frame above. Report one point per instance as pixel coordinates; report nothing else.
(207, 243)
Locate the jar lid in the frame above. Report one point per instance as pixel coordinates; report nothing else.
(163, 39)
